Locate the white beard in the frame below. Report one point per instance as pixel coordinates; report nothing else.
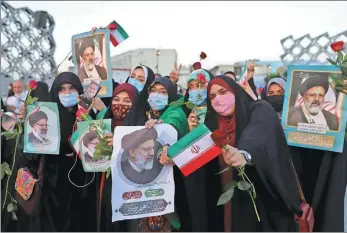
(144, 164)
(90, 66)
(313, 110)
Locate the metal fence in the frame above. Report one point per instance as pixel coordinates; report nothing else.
(27, 45)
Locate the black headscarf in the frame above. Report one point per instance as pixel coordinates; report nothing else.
(259, 132)
(137, 113)
(41, 92)
(66, 115)
(170, 87)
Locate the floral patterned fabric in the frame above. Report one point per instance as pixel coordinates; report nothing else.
(25, 183)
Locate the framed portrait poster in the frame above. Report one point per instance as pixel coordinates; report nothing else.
(141, 185)
(314, 113)
(42, 129)
(91, 58)
(88, 139)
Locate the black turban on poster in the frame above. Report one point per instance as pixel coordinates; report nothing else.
(136, 138)
(89, 137)
(86, 43)
(36, 116)
(315, 80)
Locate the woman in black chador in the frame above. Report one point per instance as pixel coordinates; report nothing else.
(255, 132)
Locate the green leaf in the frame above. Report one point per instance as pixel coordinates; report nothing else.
(343, 68)
(102, 124)
(331, 61)
(10, 135)
(2, 173)
(338, 88)
(108, 173)
(190, 105)
(35, 99)
(339, 57)
(14, 216)
(29, 100)
(10, 207)
(226, 197)
(5, 168)
(232, 184)
(243, 185)
(224, 170)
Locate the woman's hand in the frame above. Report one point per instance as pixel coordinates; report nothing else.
(164, 159)
(109, 138)
(192, 121)
(22, 112)
(233, 157)
(150, 123)
(98, 104)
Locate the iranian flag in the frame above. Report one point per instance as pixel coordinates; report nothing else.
(117, 33)
(194, 150)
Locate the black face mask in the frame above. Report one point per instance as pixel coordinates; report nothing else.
(276, 102)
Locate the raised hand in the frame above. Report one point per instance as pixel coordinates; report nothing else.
(192, 121)
(250, 69)
(174, 74)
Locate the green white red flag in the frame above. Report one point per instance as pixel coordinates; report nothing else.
(194, 150)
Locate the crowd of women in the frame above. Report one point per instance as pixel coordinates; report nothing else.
(253, 128)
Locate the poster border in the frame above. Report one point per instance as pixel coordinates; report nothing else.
(339, 136)
(107, 82)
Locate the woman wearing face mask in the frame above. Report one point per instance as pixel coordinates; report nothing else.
(197, 94)
(274, 94)
(259, 145)
(68, 208)
(322, 187)
(141, 78)
(161, 93)
(124, 95)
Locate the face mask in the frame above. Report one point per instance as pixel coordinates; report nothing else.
(120, 111)
(198, 97)
(158, 101)
(276, 102)
(223, 103)
(138, 85)
(68, 100)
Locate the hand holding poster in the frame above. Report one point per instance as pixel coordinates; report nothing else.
(310, 124)
(141, 186)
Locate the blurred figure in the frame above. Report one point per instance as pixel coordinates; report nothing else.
(16, 101)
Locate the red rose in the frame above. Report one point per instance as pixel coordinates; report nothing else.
(260, 90)
(202, 56)
(337, 46)
(197, 65)
(112, 26)
(219, 138)
(81, 113)
(32, 85)
(201, 78)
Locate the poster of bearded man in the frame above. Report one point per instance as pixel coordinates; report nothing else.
(91, 58)
(41, 129)
(310, 124)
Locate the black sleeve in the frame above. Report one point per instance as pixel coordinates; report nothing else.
(252, 85)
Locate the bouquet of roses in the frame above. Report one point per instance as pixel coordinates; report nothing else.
(341, 61)
(15, 132)
(220, 140)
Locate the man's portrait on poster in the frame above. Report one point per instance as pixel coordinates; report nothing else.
(90, 58)
(139, 161)
(38, 137)
(313, 101)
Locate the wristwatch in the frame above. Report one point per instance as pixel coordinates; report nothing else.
(247, 156)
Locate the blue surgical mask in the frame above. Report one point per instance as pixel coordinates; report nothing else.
(198, 97)
(68, 100)
(158, 101)
(137, 84)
